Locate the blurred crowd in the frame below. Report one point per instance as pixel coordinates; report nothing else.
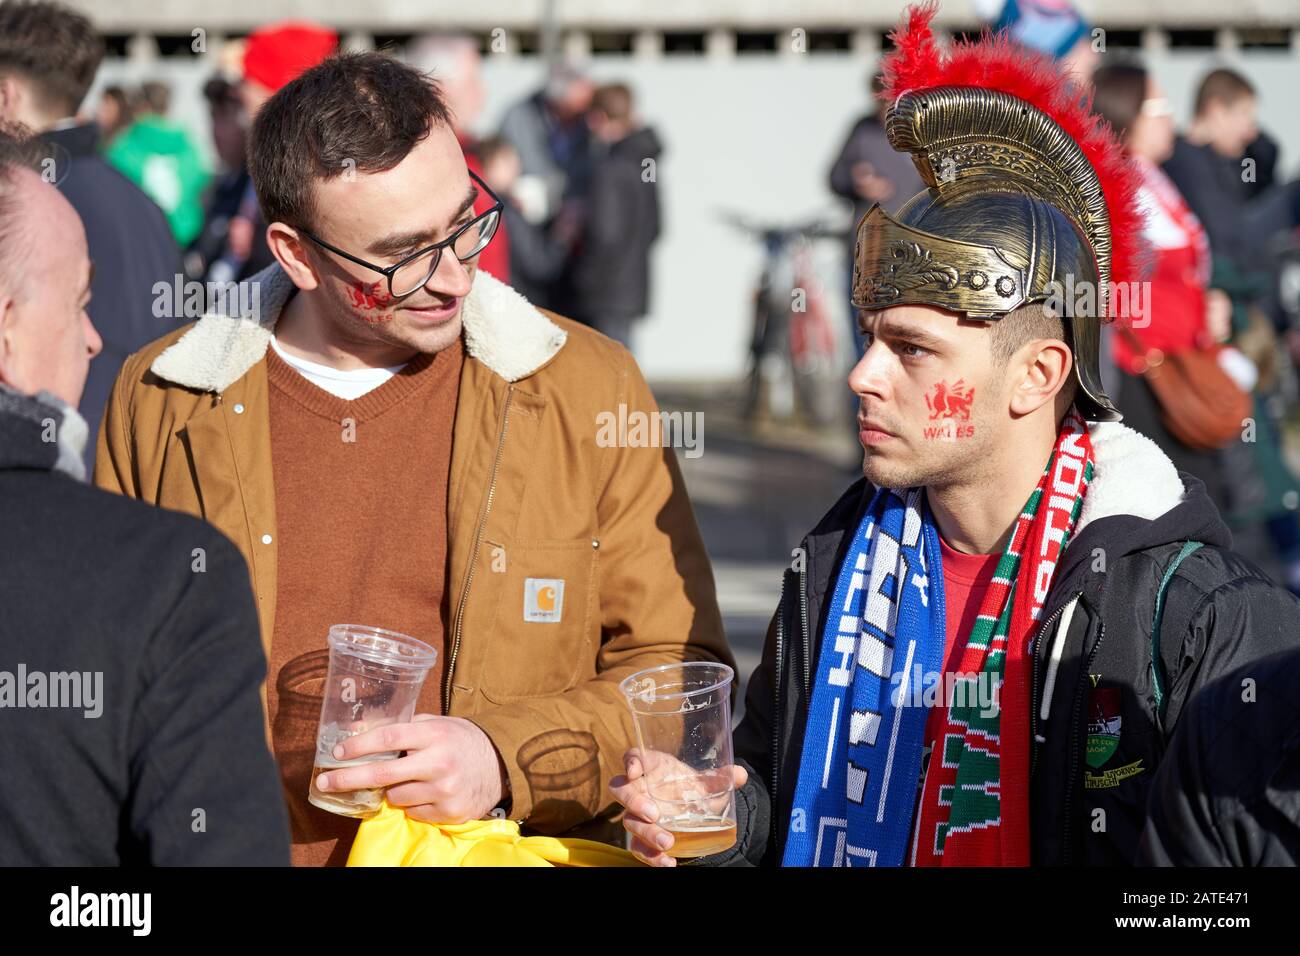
(573, 162)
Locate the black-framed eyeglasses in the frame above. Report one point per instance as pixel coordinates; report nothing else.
(418, 268)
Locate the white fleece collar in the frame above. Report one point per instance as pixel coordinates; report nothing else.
(502, 330)
(1131, 476)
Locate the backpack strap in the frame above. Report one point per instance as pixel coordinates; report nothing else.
(1157, 677)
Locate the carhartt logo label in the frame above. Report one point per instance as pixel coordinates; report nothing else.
(543, 600)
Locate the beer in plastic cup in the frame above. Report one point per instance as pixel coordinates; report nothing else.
(682, 714)
(374, 679)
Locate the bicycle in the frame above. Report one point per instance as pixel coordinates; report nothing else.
(794, 357)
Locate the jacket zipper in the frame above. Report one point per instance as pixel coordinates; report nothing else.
(1033, 694)
(473, 558)
(1074, 751)
(777, 721)
(773, 824)
(803, 624)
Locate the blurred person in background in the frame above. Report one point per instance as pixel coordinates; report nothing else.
(160, 157)
(1226, 166)
(454, 62)
(48, 59)
(611, 266)
(1053, 27)
(537, 255)
(1206, 165)
(228, 187)
(150, 705)
(1212, 167)
(868, 171)
(549, 132)
(1182, 314)
(113, 114)
(273, 56)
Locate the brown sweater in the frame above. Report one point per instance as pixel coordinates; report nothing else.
(361, 516)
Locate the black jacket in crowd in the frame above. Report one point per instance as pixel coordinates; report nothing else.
(139, 624)
(1220, 612)
(1228, 791)
(611, 274)
(132, 248)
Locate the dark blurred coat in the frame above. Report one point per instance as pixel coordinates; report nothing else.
(611, 274)
(867, 143)
(132, 248)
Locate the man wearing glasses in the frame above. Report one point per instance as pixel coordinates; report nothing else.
(395, 439)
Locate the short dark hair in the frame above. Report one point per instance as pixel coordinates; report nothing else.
(155, 97)
(221, 94)
(55, 48)
(614, 100)
(1118, 91)
(362, 111)
(1224, 85)
(1033, 320)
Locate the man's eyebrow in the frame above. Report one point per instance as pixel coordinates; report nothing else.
(471, 197)
(90, 279)
(409, 241)
(899, 330)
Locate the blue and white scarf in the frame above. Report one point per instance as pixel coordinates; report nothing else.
(856, 791)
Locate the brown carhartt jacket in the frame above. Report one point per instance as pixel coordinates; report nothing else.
(537, 491)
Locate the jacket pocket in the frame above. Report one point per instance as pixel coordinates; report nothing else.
(541, 641)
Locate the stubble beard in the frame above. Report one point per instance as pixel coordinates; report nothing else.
(935, 464)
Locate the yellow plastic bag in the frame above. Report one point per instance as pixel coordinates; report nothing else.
(391, 838)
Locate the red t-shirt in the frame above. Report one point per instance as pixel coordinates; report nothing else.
(966, 578)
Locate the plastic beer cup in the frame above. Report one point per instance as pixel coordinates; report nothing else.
(374, 679)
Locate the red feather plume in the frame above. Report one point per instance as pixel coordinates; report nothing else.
(996, 62)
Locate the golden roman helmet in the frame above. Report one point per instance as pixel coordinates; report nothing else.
(1014, 213)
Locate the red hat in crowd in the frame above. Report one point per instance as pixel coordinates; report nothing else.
(275, 55)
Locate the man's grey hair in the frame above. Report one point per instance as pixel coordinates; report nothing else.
(562, 78)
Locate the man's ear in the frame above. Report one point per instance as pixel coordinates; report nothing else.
(10, 97)
(8, 339)
(290, 250)
(1041, 368)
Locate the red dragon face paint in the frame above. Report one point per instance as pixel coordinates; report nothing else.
(368, 302)
(949, 404)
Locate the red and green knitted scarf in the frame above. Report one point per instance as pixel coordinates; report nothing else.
(975, 800)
